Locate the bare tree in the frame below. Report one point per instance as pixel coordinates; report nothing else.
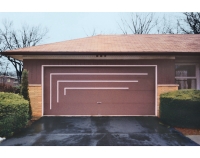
(139, 23)
(4, 67)
(149, 23)
(166, 26)
(93, 33)
(191, 23)
(11, 39)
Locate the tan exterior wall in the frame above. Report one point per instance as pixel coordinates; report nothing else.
(35, 94)
(164, 88)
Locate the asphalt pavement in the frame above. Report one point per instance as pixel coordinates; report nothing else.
(98, 131)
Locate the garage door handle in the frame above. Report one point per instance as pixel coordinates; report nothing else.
(98, 102)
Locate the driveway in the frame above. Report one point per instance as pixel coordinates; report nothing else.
(98, 131)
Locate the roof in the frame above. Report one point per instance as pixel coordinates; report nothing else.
(2, 76)
(118, 44)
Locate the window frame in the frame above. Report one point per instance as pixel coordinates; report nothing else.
(8, 80)
(197, 77)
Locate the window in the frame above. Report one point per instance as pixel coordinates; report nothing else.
(2, 80)
(186, 76)
(8, 80)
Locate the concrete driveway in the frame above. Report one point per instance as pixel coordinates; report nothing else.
(98, 131)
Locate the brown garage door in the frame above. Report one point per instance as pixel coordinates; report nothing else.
(99, 90)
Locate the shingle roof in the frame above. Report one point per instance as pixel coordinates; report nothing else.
(112, 44)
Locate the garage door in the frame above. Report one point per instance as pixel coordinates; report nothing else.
(99, 90)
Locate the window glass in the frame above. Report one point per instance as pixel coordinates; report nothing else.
(186, 83)
(185, 76)
(185, 70)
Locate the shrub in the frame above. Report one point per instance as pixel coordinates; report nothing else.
(13, 113)
(181, 108)
(24, 90)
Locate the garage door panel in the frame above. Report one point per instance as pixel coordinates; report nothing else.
(140, 85)
(107, 96)
(107, 76)
(73, 109)
(99, 91)
(127, 109)
(103, 109)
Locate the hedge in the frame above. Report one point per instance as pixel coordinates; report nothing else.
(181, 108)
(13, 113)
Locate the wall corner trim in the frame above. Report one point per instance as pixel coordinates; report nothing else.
(34, 85)
(167, 85)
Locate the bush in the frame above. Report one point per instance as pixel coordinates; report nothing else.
(181, 108)
(13, 113)
(24, 90)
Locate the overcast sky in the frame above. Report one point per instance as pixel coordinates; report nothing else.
(66, 25)
(71, 25)
(71, 19)
(68, 20)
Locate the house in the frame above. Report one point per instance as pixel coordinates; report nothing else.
(9, 80)
(109, 75)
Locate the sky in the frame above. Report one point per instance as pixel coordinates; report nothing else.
(71, 25)
(66, 20)
(67, 25)
(71, 19)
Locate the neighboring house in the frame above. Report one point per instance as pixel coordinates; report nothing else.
(109, 75)
(9, 80)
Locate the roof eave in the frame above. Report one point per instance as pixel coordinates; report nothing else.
(100, 53)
